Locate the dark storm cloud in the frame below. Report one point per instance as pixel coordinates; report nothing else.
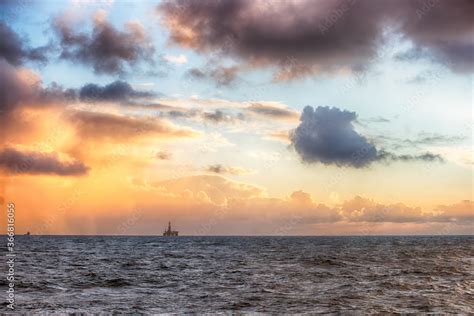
(15, 51)
(255, 32)
(106, 49)
(115, 91)
(17, 162)
(327, 135)
(441, 30)
(305, 37)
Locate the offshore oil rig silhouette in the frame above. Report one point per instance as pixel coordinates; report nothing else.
(170, 232)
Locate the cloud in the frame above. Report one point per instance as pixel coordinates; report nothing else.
(221, 110)
(327, 135)
(460, 154)
(283, 136)
(283, 216)
(301, 38)
(439, 30)
(21, 88)
(106, 49)
(17, 162)
(220, 169)
(218, 189)
(272, 110)
(418, 79)
(115, 91)
(150, 105)
(378, 119)
(163, 155)
(103, 125)
(244, 201)
(429, 157)
(180, 59)
(301, 197)
(361, 209)
(364, 210)
(462, 211)
(434, 139)
(287, 35)
(219, 116)
(182, 113)
(214, 116)
(233, 113)
(15, 87)
(423, 140)
(222, 76)
(14, 50)
(209, 103)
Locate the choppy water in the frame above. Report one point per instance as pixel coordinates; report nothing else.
(249, 274)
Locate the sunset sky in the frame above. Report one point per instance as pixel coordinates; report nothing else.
(237, 117)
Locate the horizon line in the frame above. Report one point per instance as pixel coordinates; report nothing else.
(161, 236)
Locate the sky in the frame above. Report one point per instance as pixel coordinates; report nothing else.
(237, 117)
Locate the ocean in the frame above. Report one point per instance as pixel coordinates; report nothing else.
(106, 274)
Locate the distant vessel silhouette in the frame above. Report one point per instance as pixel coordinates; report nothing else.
(27, 234)
(170, 232)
